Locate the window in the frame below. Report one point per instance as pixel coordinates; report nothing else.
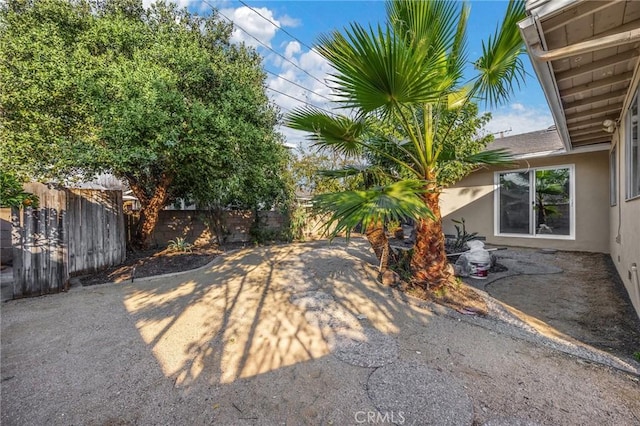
(613, 176)
(535, 203)
(633, 151)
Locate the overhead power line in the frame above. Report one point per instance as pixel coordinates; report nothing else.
(276, 25)
(298, 85)
(271, 49)
(286, 59)
(301, 101)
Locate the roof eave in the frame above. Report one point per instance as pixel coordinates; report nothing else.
(533, 38)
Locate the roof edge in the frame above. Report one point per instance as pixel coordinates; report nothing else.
(532, 36)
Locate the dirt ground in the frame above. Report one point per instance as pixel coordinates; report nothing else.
(156, 261)
(584, 299)
(581, 295)
(296, 334)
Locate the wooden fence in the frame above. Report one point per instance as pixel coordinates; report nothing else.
(71, 232)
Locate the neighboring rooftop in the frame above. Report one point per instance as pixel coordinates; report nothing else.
(542, 142)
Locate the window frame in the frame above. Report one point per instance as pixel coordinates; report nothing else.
(630, 192)
(532, 171)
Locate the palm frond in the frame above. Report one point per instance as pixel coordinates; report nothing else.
(490, 157)
(349, 209)
(376, 70)
(458, 98)
(341, 173)
(458, 55)
(500, 65)
(437, 27)
(339, 133)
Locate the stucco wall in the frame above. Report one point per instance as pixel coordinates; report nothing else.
(473, 200)
(193, 226)
(625, 221)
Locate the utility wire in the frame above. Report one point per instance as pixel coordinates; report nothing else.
(294, 38)
(301, 101)
(298, 85)
(276, 25)
(283, 57)
(268, 47)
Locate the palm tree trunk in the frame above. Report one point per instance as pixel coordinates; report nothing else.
(380, 243)
(429, 260)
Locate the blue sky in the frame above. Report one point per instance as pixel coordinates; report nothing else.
(306, 20)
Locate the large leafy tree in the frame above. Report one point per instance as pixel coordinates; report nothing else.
(403, 83)
(158, 97)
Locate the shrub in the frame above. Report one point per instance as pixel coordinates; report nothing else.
(179, 244)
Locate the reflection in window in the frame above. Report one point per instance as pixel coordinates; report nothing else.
(552, 202)
(514, 203)
(535, 202)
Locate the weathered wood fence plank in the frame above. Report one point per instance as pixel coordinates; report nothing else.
(72, 232)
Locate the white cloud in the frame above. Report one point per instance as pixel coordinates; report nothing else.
(291, 49)
(301, 73)
(314, 63)
(287, 21)
(518, 118)
(253, 24)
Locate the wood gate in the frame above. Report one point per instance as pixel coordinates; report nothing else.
(71, 232)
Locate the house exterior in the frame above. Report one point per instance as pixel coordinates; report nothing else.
(549, 198)
(585, 55)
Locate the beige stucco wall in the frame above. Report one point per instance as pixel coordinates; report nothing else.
(624, 244)
(473, 200)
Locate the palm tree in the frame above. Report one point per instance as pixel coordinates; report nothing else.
(401, 83)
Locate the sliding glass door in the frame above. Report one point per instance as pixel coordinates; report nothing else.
(535, 202)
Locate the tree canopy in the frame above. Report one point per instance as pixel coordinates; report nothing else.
(159, 97)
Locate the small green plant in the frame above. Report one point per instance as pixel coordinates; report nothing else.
(392, 225)
(298, 219)
(440, 292)
(636, 355)
(458, 283)
(462, 236)
(12, 195)
(179, 244)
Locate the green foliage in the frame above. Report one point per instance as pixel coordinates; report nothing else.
(403, 264)
(179, 244)
(298, 219)
(550, 188)
(12, 194)
(42, 115)
(414, 115)
(159, 97)
(636, 355)
(260, 233)
(348, 209)
(315, 172)
(393, 224)
(462, 236)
